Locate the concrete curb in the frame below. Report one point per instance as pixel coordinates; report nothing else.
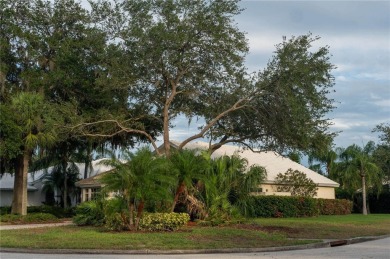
(195, 251)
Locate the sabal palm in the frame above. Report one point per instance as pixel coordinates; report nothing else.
(35, 119)
(357, 170)
(143, 177)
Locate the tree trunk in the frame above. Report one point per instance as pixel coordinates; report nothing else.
(64, 167)
(140, 209)
(180, 189)
(19, 203)
(88, 160)
(131, 215)
(364, 195)
(167, 145)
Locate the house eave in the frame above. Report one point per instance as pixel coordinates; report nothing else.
(333, 185)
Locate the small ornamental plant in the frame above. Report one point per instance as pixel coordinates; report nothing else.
(163, 221)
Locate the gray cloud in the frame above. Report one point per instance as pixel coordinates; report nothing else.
(358, 34)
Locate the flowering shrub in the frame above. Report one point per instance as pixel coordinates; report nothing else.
(163, 221)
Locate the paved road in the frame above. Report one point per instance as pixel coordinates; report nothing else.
(378, 249)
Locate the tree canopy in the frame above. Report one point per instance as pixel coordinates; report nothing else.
(187, 57)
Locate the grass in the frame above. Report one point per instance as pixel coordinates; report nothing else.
(95, 238)
(331, 227)
(255, 233)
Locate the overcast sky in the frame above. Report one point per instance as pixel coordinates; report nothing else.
(358, 34)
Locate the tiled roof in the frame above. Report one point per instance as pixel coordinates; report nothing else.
(92, 181)
(271, 161)
(7, 180)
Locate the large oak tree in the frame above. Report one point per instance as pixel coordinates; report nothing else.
(187, 57)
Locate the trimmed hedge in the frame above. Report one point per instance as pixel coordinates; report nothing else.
(163, 221)
(334, 207)
(54, 210)
(285, 207)
(29, 218)
(5, 210)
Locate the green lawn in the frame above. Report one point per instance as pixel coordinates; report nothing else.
(345, 226)
(255, 233)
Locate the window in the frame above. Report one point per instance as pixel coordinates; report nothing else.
(94, 193)
(90, 193)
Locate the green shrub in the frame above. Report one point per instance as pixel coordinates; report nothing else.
(163, 221)
(117, 221)
(5, 210)
(381, 203)
(29, 218)
(40, 218)
(307, 207)
(89, 213)
(11, 218)
(55, 210)
(334, 207)
(282, 207)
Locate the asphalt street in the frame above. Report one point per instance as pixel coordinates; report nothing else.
(377, 249)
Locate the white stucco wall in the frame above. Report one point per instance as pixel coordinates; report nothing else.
(326, 193)
(322, 192)
(34, 198)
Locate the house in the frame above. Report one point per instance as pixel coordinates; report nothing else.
(271, 161)
(36, 195)
(274, 164)
(90, 187)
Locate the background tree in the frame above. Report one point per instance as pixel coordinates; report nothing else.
(61, 181)
(381, 154)
(295, 156)
(357, 170)
(323, 161)
(296, 183)
(53, 48)
(61, 158)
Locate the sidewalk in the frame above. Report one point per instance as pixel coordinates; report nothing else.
(44, 225)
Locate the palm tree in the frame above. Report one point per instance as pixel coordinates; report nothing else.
(143, 177)
(54, 181)
(357, 170)
(323, 161)
(190, 168)
(62, 157)
(229, 185)
(34, 118)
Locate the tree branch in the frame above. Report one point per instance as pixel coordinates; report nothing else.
(122, 129)
(234, 107)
